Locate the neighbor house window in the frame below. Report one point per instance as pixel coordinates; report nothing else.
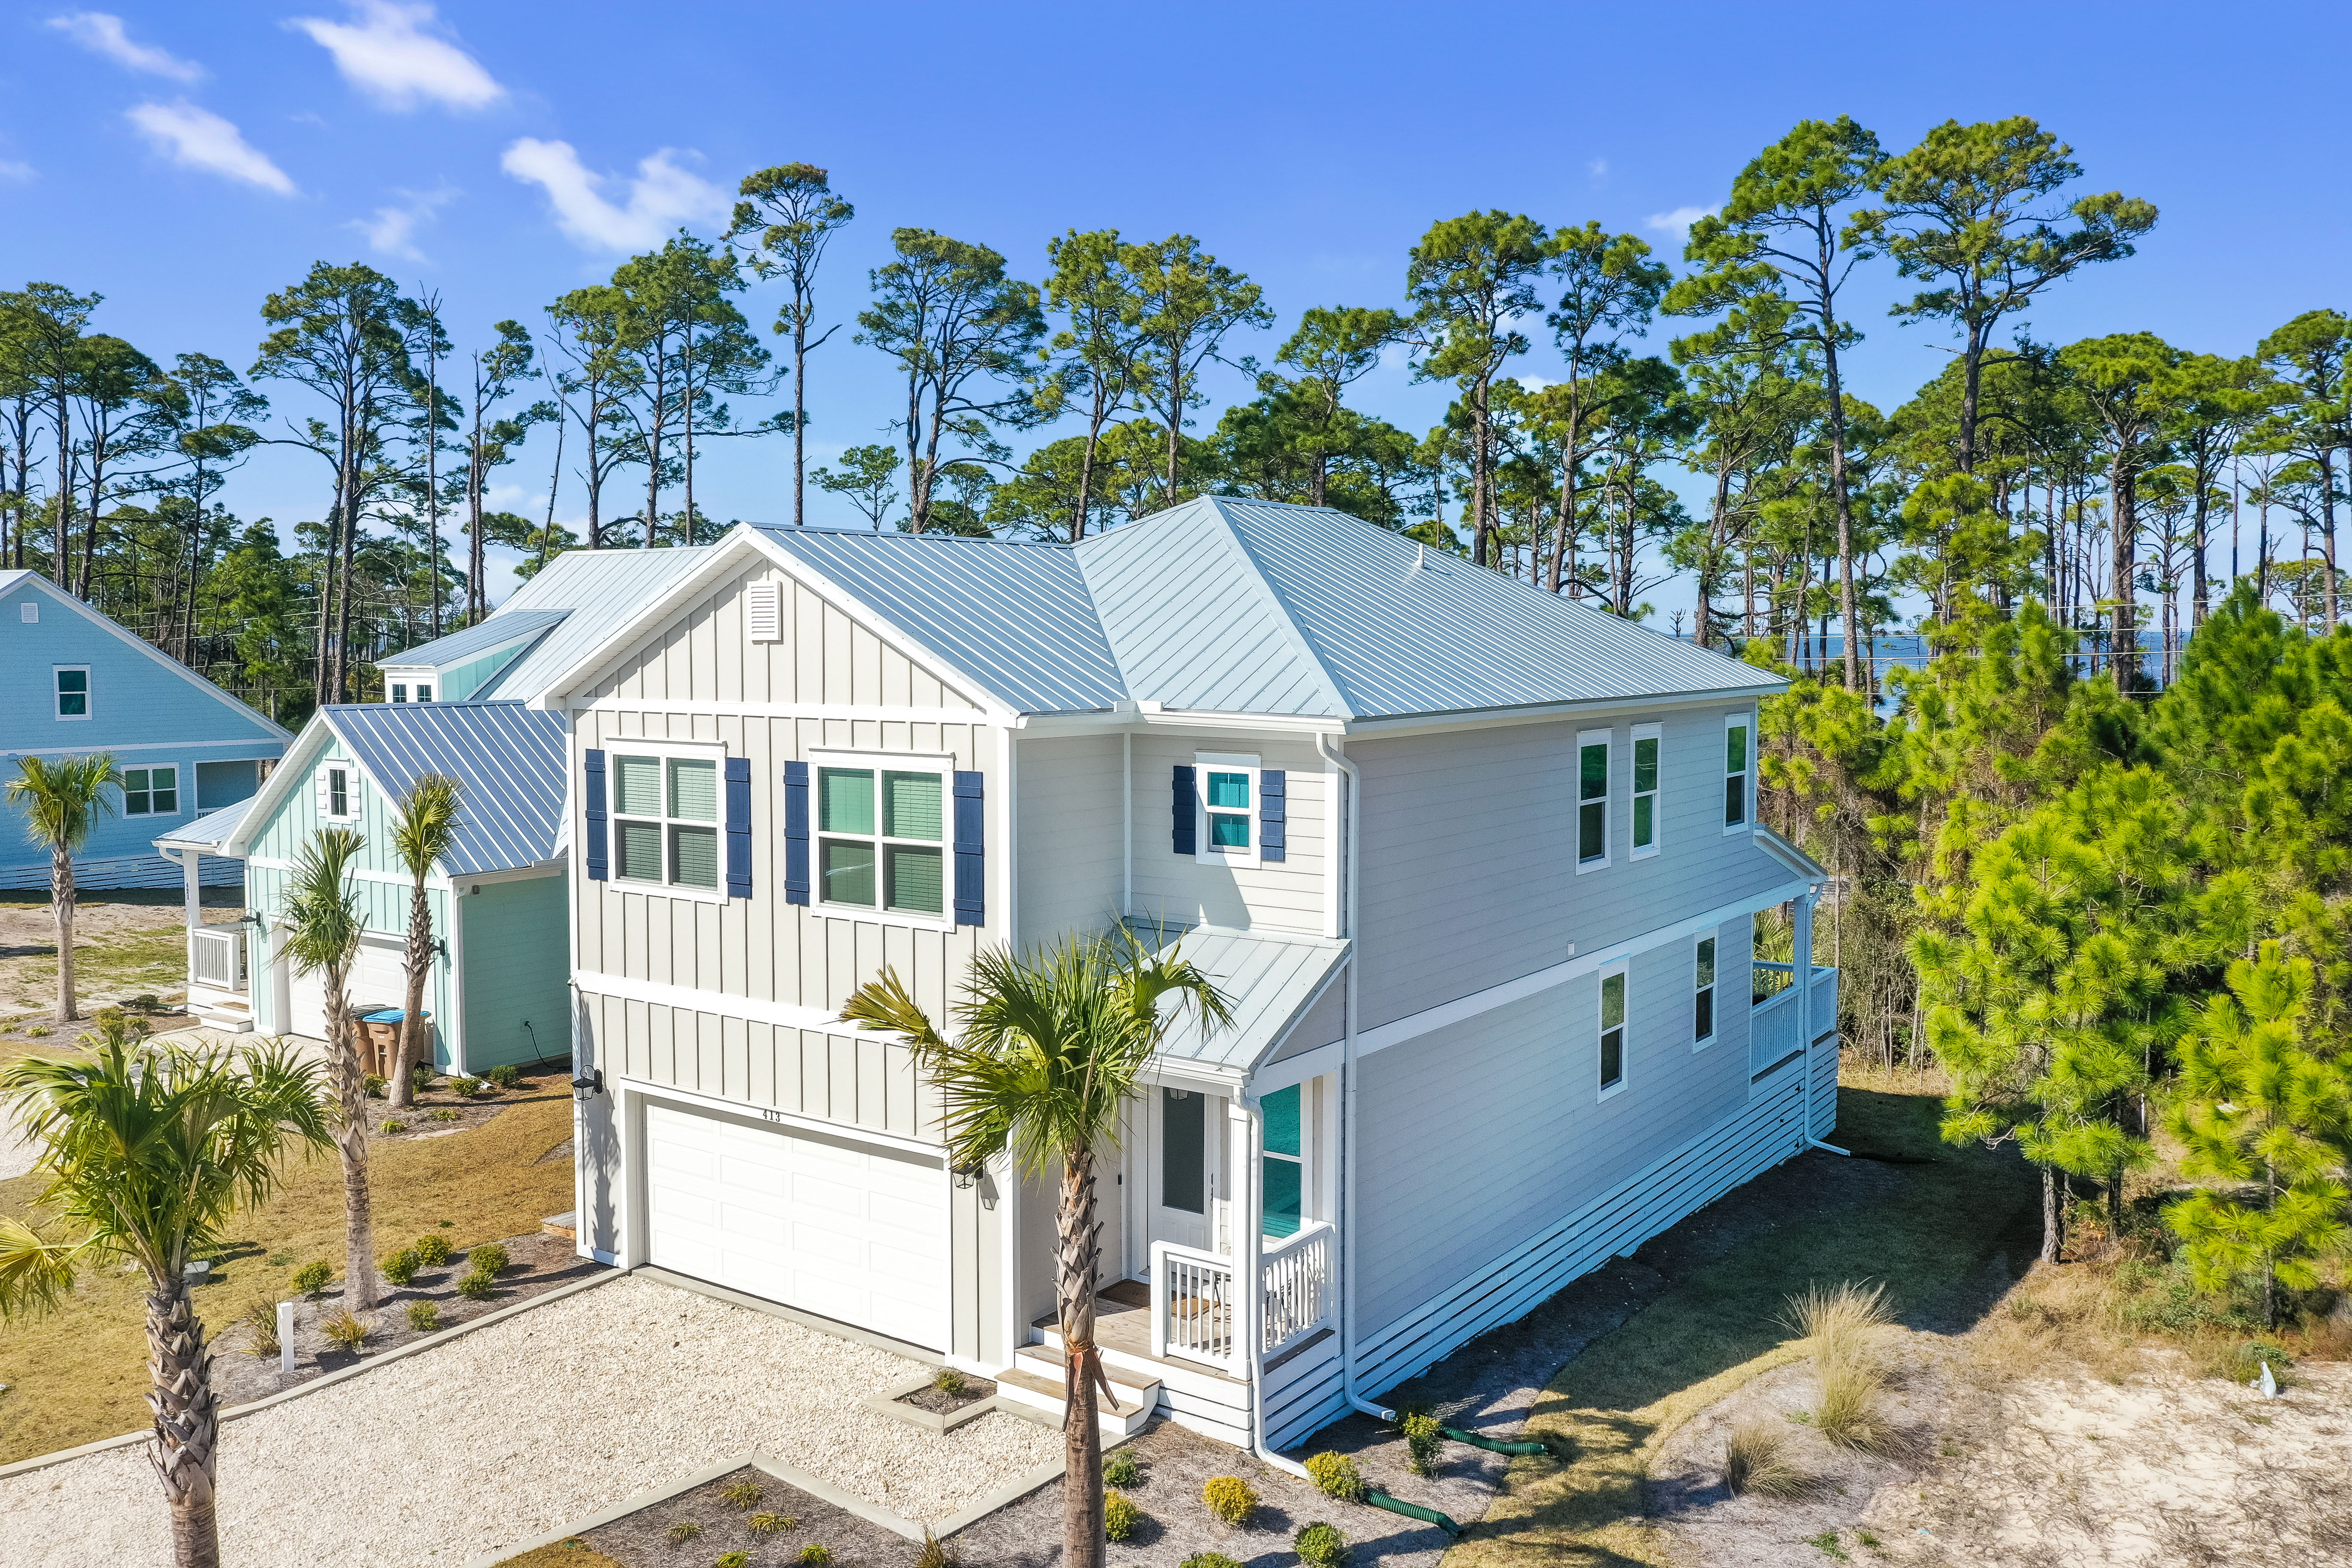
(399, 691)
(1612, 1030)
(1703, 992)
(1284, 1164)
(665, 819)
(424, 694)
(1229, 808)
(339, 792)
(73, 691)
(881, 838)
(150, 792)
(1735, 770)
(1592, 799)
(1645, 789)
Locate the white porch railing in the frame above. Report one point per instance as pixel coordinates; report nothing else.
(1192, 1305)
(216, 957)
(1773, 1033)
(1297, 1272)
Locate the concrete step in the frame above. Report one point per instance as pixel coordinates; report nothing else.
(237, 1017)
(1034, 1380)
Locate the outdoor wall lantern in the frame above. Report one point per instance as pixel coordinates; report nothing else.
(592, 1084)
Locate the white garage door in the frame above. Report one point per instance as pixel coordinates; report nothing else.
(845, 1229)
(380, 979)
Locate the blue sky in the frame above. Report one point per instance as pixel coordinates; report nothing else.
(184, 161)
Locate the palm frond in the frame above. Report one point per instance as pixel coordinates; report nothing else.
(426, 823)
(322, 914)
(62, 798)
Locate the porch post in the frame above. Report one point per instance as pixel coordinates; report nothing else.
(1247, 1253)
(189, 859)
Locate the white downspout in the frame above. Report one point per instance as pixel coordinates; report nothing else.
(1348, 1091)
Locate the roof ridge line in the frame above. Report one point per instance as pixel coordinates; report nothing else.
(1282, 608)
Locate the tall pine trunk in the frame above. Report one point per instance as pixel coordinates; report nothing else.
(1082, 1372)
(352, 1141)
(2050, 1233)
(180, 1372)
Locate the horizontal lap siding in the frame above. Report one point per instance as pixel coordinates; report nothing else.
(1072, 833)
(1285, 896)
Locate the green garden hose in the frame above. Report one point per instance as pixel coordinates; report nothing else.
(1379, 1499)
(1492, 1445)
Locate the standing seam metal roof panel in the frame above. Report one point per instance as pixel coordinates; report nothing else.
(502, 626)
(508, 759)
(1268, 979)
(603, 589)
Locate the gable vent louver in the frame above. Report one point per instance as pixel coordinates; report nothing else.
(763, 612)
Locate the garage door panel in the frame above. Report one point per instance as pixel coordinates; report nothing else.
(816, 1222)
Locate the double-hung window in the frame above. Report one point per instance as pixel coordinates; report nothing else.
(425, 694)
(1736, 769)
(1591, 799)
(150, 792)
(882, 837)
(1284, 1165)
(665, 819)
(1612, 1031)
(1230, 808)
(338, 794)
(1646, 739)
(1703, 993)
(73, 691)
(400, 692)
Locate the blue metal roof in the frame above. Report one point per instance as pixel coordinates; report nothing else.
(209, 831)
(1017, 618)
(508, 759)
(505, 624)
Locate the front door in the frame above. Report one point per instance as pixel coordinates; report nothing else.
(1186, 1156)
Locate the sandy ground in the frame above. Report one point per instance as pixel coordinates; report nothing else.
(102, 920)
(509, 1434)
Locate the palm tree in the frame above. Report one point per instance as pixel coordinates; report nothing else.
(63, 799)
(323, 918)
(1052, 1044)
(149, 1154)
(421, 835)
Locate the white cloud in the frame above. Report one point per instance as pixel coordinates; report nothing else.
(102, 34)
(392, 230)
(1598, 168)
(15, 174)
(385, 53)
(1679, 220)
(660, 197)
(199, 139)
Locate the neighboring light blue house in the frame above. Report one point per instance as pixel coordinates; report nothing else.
(500, 991)
(84, 684)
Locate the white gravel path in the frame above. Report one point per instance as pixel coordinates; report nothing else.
(16, 1151)
(516, 1431)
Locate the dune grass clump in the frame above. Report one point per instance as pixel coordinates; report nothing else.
(1843, 1324)
(1756, 1461)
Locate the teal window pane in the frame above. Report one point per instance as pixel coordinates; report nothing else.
(1228, 832)
(915, 880)
(166, 784)
(694, 857)
(1735, 800)
(1613, 1001)
(1282, 1196)
(1612, 1057)
(912, 806)
(1706, 962)
(1703, 1023)
(1592, 831)
(1645, 763)
(1229, 791)
(135, 795)
(844, 800)
(694, 790)
(1645, 813)
(73, 693)
(1281, 1109)
(640, 848)
(846, 873)
(399, 692)
(1592, 773)
(636, 786)
(1735, 749)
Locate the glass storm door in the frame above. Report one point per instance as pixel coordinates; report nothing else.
(1184, 1164)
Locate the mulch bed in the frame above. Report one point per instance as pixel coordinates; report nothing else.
(644, 1538)
(536, 1264)
(937, 1403)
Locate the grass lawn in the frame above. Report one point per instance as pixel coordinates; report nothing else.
(127, 941)
(78, 1374)
(562, 1554)
(1930, 1239)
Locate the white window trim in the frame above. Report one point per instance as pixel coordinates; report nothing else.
(692, 751)
(1747, 779)
(350, 772)
(1715, 1013)
(398, 692)
(942, 762)
(1633, 792)
(1203, 852)
(1577, 802)
(1626, 1030)
(88, 694)
(183, 772)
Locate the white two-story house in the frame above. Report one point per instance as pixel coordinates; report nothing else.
(1478, 867)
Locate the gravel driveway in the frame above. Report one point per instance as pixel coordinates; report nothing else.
(516, 1431)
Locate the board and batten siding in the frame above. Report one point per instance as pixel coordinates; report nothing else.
(1481, 1135)
(1469, 864)
(1285, 896)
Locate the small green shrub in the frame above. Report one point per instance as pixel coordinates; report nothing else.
(376, 1085)
(1231, 1498)
(951, 1383)
(767, 1524)
(311, 1279)
(815, 1555)
(346, 1330)
(1827, 1540)
(433, 1251)
(392, 1124)
(401, 1266)
(1336, 1474)
(424, 1316)
(1120, 1516)
(35, 1032)
(281, 1259)
(683, 1531)
(144, 1003)
(465, 1087)
(261, 1316)
(420, 1078)
(488, 1259)
(742, 1494)
(1120, 1469)
(443, 1114)
(2243, 1362)
(1423, 1440)
(1320, 1545)
(477, 1287)
(505, 1074)
(737, 1559)
(1209, 1560)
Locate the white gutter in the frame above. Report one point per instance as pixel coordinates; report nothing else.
(1347, 1093)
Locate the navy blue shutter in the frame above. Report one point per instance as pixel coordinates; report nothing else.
(1184, 812)
(796, 833)
(1273, 823)
(970, 852)
(591, 773)
(738, 827)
